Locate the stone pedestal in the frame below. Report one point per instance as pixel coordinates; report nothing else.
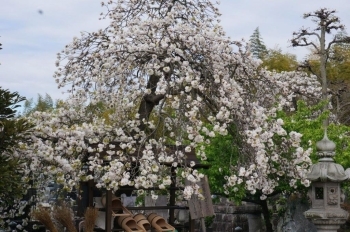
(329, 220)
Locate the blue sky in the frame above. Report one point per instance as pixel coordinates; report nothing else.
(31, 40)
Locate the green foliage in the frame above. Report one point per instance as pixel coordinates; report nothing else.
(276, 60)
(340, 135)
(99, 109)
(223, 156)
(221, 153)
(10, 180)
(338, 65)
(209, 221)
(42, 104)
(12, 132)
(257, 46)
(308, 120)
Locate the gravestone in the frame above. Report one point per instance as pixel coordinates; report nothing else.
(201, 208)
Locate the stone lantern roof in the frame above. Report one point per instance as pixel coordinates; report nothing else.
(326, 169)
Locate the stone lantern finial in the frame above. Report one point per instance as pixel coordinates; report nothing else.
(325, 149)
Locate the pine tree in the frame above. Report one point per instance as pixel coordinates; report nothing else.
(257, 45)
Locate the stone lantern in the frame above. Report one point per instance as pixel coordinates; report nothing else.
(325, 192)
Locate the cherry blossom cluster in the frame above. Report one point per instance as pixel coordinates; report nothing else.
(273, 153)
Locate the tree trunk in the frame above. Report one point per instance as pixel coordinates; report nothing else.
(149, 101)
(323, 57)
(265, 211)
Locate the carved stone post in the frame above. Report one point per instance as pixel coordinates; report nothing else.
(325, 192)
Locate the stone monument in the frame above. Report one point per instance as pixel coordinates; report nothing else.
(325, 192)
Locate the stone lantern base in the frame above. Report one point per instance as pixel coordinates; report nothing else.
(326, 226)
(327, 220)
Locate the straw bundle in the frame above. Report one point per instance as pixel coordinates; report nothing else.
(90, 219)
(43, 216)
(63, 214)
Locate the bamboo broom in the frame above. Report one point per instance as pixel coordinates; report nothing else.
(62, 213)
(90, 219)
(43, 216)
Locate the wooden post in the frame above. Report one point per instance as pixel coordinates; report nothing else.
(108, 211)
(203, 225)
(91, 186)
(80, 212)
(191, 222)
(172, 196)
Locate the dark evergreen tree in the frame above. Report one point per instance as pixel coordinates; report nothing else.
(257, 46)
(12, 131)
